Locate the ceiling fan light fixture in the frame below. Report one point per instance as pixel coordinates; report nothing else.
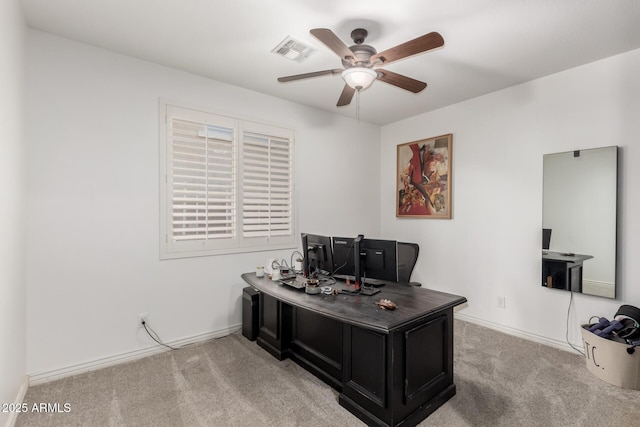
(359, 78)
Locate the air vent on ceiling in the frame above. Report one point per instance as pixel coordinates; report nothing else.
(293, 49)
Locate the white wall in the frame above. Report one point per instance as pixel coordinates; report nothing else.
(12, 207)
(93, 258)
(491, 247)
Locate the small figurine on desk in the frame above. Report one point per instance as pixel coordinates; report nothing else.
(386, 304)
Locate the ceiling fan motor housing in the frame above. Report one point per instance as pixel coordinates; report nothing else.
(362, 52)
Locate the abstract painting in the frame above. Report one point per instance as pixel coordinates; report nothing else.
(424, 178)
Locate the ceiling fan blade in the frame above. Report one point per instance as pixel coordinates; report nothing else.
(403, 82)
(412, 47)
(309, 75)
(332, 41)
(346, 96)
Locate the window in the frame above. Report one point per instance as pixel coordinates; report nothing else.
(226, 185)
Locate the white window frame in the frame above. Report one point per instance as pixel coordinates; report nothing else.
(272, 136)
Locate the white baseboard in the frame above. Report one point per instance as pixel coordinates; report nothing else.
(562, 345)
(599, 288)
(22, 391)
(56, 374)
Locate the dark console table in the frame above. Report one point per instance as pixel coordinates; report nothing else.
(390, 367)
(563, 270)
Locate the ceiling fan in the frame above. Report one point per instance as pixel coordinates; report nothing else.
(361, 62)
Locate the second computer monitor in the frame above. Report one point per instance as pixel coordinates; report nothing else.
(343, 257)
(378, 260)
(318, 257)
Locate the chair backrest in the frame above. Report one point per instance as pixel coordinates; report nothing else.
(407, 257)
(546, 238)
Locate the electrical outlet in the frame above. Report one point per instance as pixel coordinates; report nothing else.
(141, 317)
(501, 302)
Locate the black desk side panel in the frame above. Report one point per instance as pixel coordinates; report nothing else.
(316, 344)
(402, 377)
(274, 334)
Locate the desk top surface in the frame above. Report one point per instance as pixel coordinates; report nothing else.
(413, 303)
(564, 257)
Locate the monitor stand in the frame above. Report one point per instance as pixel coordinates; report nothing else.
(365, 290)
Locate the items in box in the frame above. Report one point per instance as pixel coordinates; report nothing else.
(623, 328)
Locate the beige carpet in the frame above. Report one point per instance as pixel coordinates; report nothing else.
(501, 381)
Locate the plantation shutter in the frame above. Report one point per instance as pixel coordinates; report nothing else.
(203, 181)
(267, 184)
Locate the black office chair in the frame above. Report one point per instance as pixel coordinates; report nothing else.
(546, 238)
(407, 257)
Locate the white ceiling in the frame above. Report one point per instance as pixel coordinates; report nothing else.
(489, 44)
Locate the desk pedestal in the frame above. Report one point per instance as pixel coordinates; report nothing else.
(402, 377)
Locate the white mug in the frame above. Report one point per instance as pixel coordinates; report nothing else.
(275, 275)
(259, 271)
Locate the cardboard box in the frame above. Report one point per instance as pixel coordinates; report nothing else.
(610, 361)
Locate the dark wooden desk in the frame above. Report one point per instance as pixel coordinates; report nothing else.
(562, 270)
(390, 367)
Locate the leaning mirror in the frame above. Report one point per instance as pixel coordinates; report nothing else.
(579, 212)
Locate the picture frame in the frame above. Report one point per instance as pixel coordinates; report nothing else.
(423, 178)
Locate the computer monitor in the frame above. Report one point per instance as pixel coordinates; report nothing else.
(546, 238)
(378, 260)
(318, 256)
(343, 257)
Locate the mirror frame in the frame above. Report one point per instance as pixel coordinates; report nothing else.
(580, 190)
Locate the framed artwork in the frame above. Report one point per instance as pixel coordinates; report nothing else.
(423, 188)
